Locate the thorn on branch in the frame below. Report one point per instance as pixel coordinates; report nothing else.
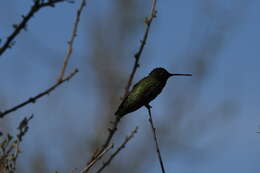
(15, 26)
(32, 100)
(110, 130)
(147, 20)
(154, 14)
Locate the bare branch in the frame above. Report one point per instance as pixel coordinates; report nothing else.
(107, 141)
(35, 98)
(148, 22)
(137, 56)
(127, 139)
(71, 41)
(111, 131)
(38, 4)
(86, 169)
(155, 138)
(10, 149)
(23, 127)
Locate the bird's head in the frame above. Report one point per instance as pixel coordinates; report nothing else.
(162, 74)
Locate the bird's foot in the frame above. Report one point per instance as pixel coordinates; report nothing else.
(148, 106)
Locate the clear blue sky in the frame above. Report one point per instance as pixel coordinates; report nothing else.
(228, 143)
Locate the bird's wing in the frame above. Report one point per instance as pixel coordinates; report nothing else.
(145, 92)
(150, 91)
(126, 97)
(133, 88)
(135, 85)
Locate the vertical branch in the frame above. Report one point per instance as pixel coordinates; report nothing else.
(71, 41)
(155, 138)
(111, 131)
(148, 22)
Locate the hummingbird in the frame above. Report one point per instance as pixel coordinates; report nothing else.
(144, 91)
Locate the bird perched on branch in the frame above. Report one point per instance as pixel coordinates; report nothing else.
(145, 91)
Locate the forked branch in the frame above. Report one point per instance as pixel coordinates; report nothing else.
(38, 4)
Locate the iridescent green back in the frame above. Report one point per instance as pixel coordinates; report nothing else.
(141, 94)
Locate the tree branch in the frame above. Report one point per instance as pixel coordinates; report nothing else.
(71, 41)
(107, 141)
(137, 56)
(38, 4)
(148, 22)
(10, 149)
(127, 139)
(35, 98)
(86, 169)
(155, 138)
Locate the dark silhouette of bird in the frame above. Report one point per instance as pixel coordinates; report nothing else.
(144, 91)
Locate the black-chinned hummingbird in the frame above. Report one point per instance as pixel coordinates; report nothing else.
(144, 91)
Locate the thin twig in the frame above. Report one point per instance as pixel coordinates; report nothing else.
(86, 169)
(35, 98)
(127, 139)
(111, 131)
(11, 148)
(38, 4)
(71, 41)
(155, 138)
(148, 22)
(108, 139)
(23, 128)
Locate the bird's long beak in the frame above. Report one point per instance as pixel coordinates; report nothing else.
(180, 74)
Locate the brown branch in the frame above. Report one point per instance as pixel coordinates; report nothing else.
(127, 139)
(11, 148)
(23, 128)
(38, 4)
(71, 41)
(107, 141)
(148, 22)
(155, 138)
(111, 131)
(87, 168)
(137, 56)
(35, 98)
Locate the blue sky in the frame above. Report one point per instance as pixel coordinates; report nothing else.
(215, 134)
